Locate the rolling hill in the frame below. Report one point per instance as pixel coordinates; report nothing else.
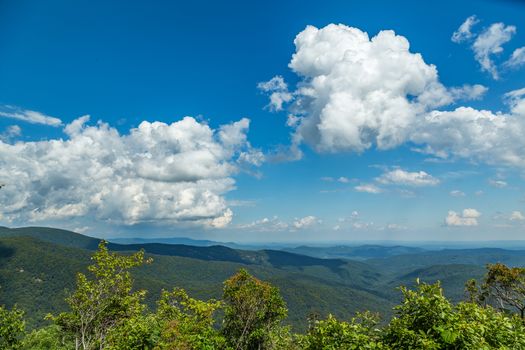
(363, 252)
(38, 264)
(36, 267)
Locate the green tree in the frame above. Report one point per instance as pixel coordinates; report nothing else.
(188, 323)
(12, 327)
(103, 301)
(253, 311)
(504, 287)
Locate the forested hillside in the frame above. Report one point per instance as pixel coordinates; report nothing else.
(33, 269)
(106, 306)
(37, 265)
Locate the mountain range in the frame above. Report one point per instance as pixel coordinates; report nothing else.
(38, 265)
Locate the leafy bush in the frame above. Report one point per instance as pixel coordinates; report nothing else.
(12, 327)
(47, 338)
(427, 320)
(331, 334)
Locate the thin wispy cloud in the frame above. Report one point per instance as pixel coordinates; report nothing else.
(498, 183)
(517, 59)
(368, 188)
(488, 44)
(11, 132)
(32, 117)
(407, 178)
(457, 193)
(464, 32)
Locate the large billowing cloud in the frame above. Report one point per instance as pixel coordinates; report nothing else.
(165, 173)
(357, 92)
(479, 135)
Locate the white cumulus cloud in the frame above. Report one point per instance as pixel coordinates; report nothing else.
(480, 135)
(278, 91)
(406, 178)
(305, 222)
(174, 173)
(469, 217)
(357, 92)
(516, 216)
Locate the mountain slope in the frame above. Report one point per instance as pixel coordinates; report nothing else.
(34, 274)
(37, 264)
(478, 257)
(362, 252)
(212, 253)
(52, 235)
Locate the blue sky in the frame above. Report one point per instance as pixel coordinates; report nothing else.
(383, 143)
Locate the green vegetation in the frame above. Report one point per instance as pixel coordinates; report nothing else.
(35, 274)
(12, 328)
(106, 312)
(101, 303)
(427, 320)
(221, 298)
(253, 311)
(503, 287)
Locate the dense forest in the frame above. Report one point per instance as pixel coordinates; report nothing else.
(106, 311)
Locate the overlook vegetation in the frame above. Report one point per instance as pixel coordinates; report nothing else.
(183, 297)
